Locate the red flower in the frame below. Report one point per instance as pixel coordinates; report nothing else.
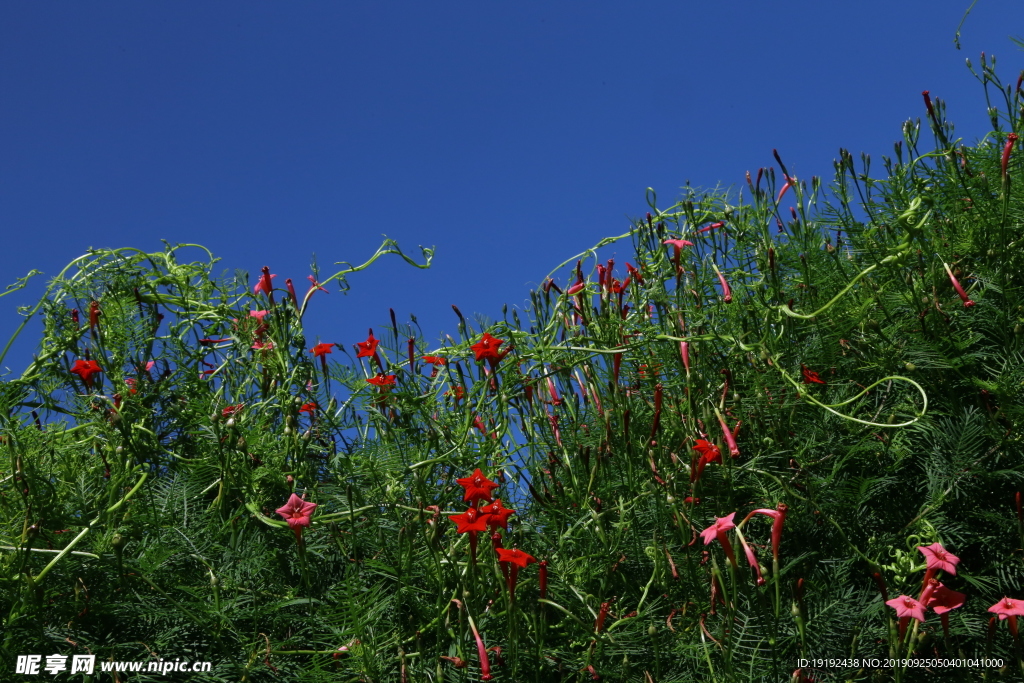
(708, 451)
(297, 513)
(85, 369)
(515, 560)
(435, 360)
(907, 606)
(382, 380)
(368, 348)
(516, 557)
(499, 514)
(487, 348)
(94, 314)
(308, 408)
(320, 349)
(471, 520)
(263, 346)
(1008, 607)
(938, 557)
(810, 376)
(231, 410)
(478, 487)
(634, 273)
(259, 315)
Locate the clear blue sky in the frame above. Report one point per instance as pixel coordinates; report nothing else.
(510, 136)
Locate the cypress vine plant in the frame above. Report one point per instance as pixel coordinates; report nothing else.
(786, 431)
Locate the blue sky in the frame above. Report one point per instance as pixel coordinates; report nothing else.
(509, 136)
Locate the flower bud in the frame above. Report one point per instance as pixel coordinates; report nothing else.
(652, 630)
(230, 423)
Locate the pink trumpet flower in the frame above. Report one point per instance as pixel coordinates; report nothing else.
(959, 290)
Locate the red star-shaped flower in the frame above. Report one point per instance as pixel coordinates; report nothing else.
(470, 520)
(85, 369)
(516, 557)
(297, 512)
(499, 514)
(382, 380)
(478, 487)
(368, 347)
(487, 348)
(810, 376)
(435, 360)
(308, 408)
(709, 452)
(231, 410)
(320, 349)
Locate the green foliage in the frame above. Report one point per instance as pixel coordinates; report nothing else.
(862, 391)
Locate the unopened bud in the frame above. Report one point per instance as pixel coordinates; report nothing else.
(230, 423)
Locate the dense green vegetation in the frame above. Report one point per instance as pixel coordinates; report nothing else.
(845, 358)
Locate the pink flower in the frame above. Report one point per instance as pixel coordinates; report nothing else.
(943, 599)
(263, 284)
(712, 226)
(939, 558)
(316, 285)
(678, 243)
(726, 292)
(259, 315)
(959, 290)
(752, 559)
(730, 440)
(788, 184)
(778, 519)
(684, 351)
(1011, 140)
(721, 525)
(907, 606)
(1008, 607)
(717, 530)
(297, 513)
